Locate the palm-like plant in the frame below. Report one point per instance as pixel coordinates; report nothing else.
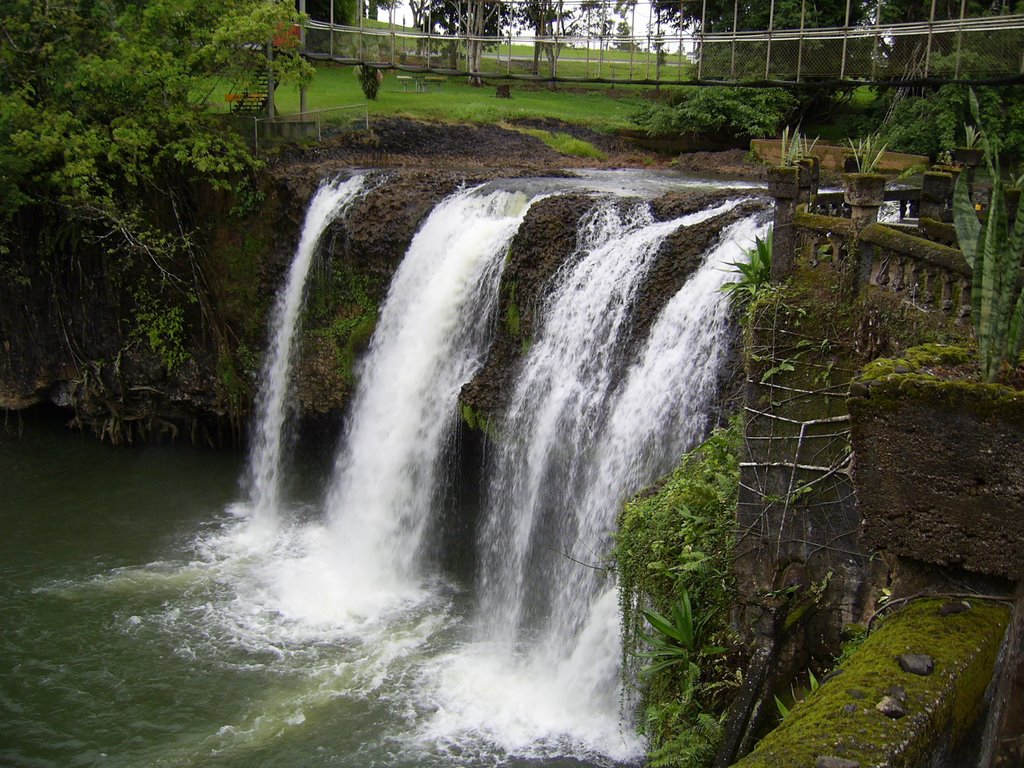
(868, 153)
(679, 639)
(994, 250)
(754, 273)
(793, 149)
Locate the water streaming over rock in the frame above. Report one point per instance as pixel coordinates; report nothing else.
(272, 405)
(432, 336)
(555, 419)
(584, 430)
(330, 630)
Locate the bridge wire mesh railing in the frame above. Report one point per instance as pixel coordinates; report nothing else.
(987, 48)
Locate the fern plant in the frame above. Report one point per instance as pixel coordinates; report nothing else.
(994, 250)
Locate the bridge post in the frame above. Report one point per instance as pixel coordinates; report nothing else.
(878, 38)
(270, 77)
(800, 47)
(302, 47)
(959, 38)
(928, 48)
(846, 38)
(735, 21)
(703, 30)
(771, 25)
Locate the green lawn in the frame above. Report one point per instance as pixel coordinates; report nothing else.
(597, 106)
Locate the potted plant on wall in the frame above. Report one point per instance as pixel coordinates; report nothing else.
(970, 154)
(865, 189)
(798, 170)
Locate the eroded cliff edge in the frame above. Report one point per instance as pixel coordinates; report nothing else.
(137, 345)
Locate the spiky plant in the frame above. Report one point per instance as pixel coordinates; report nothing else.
(994, 250)
(868, 153)
(754, 274)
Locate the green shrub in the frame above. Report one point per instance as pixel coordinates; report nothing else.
(677, 540)
(162, 326)
(370, 79)
(734, 112)
(934, 123)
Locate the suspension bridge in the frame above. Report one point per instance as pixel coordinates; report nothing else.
(987, 49)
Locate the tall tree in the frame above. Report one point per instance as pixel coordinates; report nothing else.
(104, 120)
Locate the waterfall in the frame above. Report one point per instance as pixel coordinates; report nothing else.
(432, 336)
(554, 419)
(524, 663)
(658, 414)
(583, 431)
(272, 400)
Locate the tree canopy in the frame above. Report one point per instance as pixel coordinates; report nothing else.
(103, 103)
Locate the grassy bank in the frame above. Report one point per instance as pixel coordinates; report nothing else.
(599, 107)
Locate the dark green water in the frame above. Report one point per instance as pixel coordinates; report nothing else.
(142, 627)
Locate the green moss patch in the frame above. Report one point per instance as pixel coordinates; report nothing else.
(944, 377)
(840, 718)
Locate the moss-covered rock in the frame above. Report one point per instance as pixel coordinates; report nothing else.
(938, 467)
(841, 720)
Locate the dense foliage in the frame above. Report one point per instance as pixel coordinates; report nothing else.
(103, 108)
(934, 122)
(674, 541)
(735, 112)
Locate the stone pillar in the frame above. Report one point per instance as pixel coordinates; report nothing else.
(865, 193)
(784, 186)
(936, 189)
(810, 174)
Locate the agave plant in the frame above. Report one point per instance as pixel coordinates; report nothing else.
(794, 148)
(678, 640)
(754, 274)
(868, 153)
(972, 137)
(994, 250)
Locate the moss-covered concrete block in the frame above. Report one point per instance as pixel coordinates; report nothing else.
(840, 719)
(939, 463)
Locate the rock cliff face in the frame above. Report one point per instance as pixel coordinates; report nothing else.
(138, 346)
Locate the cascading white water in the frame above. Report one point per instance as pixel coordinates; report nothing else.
(556, 412)
(323, 640)
(272, 400)
(661, 410)
(432, 336)
(578, 445)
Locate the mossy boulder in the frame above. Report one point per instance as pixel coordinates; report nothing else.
(939, 462)
(842, 719)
